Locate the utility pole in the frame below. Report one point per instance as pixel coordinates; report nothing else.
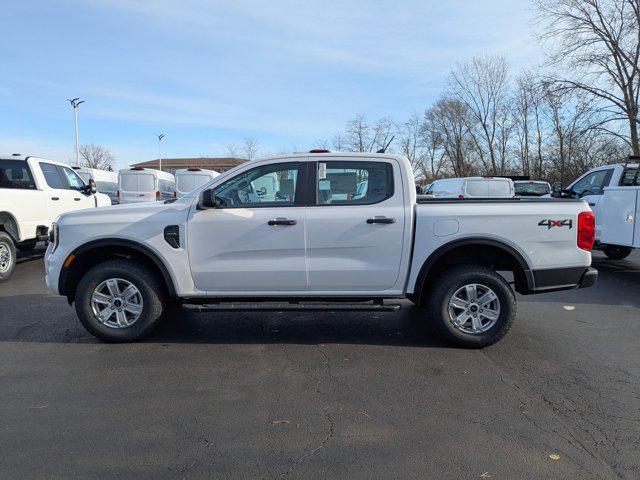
(160, 137)
(75, 104)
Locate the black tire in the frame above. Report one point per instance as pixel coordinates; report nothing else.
(27, 247)
(446, 285)
(151, 290)
(616, 252)
(7, 256)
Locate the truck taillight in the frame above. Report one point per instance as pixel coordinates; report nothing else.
(175, 194)
(118, 196)
(460, 196)
(586, 230)
(157, 194)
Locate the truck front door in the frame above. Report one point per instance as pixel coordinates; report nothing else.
(591, 189)
(252, 243)
(355, 225)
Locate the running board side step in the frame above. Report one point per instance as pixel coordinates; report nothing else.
(295, 307)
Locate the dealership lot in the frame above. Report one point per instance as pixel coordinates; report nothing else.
(364, 395)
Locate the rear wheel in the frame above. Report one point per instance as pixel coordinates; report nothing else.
(616, 252)
(119, 301)
(7, 256)
(473, 306)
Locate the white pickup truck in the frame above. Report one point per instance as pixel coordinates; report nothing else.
(33, 192)
(319, 245)
(591, 188)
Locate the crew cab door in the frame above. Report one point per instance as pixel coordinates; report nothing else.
(355, 225)
(252, 243)
(591, 189)
(80, 200)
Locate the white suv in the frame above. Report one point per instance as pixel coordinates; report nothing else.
(33, 193)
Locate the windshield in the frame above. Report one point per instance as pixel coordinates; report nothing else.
(532, 189)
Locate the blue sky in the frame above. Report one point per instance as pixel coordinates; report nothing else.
(209, 73)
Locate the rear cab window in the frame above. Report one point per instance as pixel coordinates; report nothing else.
(353, 182)
(16, 174)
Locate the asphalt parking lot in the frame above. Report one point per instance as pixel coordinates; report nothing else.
(331, 395)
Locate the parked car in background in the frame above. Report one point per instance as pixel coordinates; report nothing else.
(189, 178)
(316, 246)
(590, 187)
(106, 181)
(472, 187)
(137, 184)
(531, 188)
(33, 193)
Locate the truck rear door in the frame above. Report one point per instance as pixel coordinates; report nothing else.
(354, 238)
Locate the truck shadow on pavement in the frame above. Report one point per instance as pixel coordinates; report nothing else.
(46, 319)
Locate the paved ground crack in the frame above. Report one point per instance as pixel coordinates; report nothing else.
(328, 418)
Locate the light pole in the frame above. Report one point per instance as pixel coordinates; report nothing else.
(160, 137)
(75, 104)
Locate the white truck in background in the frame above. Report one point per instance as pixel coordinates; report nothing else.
(33, 193)
(472, 187)
(603, 189)
(319, 244)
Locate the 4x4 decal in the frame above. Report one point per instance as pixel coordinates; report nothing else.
(555, 223)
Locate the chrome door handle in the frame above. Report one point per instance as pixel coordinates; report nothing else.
(386, 220)
(281, 221)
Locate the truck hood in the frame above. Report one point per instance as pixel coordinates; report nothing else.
(136, 216)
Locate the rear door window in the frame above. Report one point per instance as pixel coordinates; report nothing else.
(16, 174)
(353, 182)
(52, 176)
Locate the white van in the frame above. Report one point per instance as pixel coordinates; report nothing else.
(106, 181)
(472, 187)
(188, 179)
(138, 184)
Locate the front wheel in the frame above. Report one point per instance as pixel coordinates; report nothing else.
(616, 252)
(7, 256)
(119, 301)
(473, 306)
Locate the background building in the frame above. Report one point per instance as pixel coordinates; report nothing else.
(172, 164)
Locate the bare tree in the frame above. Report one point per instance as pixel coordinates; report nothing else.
(95, 156)
(410, 141)
(483, 86)
(450, 118)
(338, 142)
(597, 42)
(249, 148)
(322, 144)
(232, 150)
(360, 136)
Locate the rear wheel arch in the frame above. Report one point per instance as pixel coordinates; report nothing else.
(9, 224)
(92, 253)
(476, 251)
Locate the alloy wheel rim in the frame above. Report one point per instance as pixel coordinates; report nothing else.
(117, 303)
(474, 308)
(5, 258)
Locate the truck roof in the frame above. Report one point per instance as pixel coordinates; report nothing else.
(18, 156)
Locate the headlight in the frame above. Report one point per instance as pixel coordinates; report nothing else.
(54, 236)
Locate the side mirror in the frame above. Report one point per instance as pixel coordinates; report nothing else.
(209, 200)
(91, 187)
(556, 189)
